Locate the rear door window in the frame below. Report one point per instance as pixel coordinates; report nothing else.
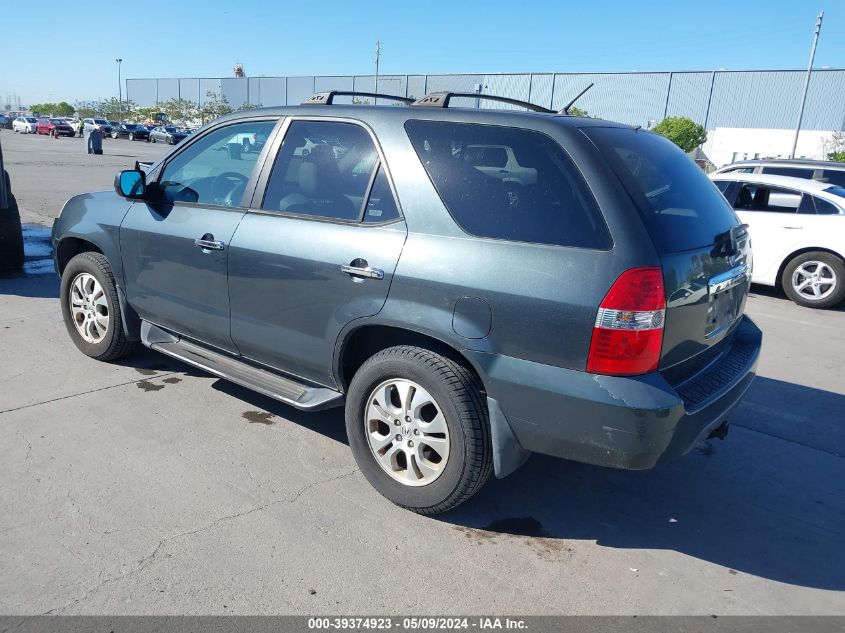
(755, 197)
(679, 204)
(544, 201)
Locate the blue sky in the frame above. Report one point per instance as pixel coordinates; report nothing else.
(60, 57)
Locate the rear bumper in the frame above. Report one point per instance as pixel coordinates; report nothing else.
(620, 422)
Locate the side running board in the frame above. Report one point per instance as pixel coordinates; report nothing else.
(269, 383)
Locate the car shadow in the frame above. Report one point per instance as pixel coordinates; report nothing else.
(40, 286)
(768, 501)
(777, 293)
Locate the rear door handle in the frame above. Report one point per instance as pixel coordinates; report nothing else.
(208, 243)
(367, 272)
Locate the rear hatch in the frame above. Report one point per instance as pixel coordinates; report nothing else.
(705, 252)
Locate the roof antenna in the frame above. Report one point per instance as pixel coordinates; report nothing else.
(565, 109)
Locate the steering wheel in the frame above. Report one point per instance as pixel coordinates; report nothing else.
(233, 182)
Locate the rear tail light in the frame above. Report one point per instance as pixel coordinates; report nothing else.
(628, 333)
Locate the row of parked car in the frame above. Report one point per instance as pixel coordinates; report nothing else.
(66, 126)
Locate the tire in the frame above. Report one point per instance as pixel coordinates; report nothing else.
(131, 136)
(114, 343)
(152, 140)
(824, 291)
(11, 237)
(114, 135)
(456, 393)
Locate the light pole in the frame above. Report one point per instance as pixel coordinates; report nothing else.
(119, 61)
(807, 82)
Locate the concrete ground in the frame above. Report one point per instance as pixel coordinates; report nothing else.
(147, 487)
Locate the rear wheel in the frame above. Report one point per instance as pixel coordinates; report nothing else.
(131, 136)
(91, 309)
(418, 428)
(815, 280)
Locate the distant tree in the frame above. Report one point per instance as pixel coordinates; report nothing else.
(214, 107)
(683, 132)
(45, 109)
(181, 110)
(249, 106)
(835, 147)
(87, 109)
(576, 111)
(63, 108)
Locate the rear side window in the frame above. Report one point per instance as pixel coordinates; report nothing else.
(794, 172)
(681, 207)
(822, 206)
(537, 196)
(834, 177)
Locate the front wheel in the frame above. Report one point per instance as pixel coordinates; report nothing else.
(91, 309)
(152, 140)
(131, 136)
(815, 280)
(418, 428)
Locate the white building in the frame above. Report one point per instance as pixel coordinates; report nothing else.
(729, 144)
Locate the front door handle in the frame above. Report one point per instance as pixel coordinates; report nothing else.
(360, 268)
(793, 227)
(208, 243)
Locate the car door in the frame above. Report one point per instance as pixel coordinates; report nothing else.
(318, 251)
(774, 221)
(175, 247)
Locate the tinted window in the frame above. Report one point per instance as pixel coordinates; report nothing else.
(834, 177)
(681, 207)
(754, 197)
(794, 172)
(213, 170)
(486, 156)
(323, 169)
(823, 207)
(546, 201)
(722, 185)
(381, 206)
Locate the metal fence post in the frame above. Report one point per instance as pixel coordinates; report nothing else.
(709, 99)
(668, 94)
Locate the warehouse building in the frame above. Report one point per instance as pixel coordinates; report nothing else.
(748, 113)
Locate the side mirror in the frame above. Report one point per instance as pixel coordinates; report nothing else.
(131, 183)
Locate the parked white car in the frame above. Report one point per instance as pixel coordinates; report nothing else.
(24, 124)
(500, 162)
(797, 229)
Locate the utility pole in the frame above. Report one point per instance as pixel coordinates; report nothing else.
(807, 82)
(378, 58)
(119, 91)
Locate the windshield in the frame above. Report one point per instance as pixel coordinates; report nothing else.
(57, 121)
(172, 130)
(681, 207)
(130, 126)
(101, 122)
(30, 119)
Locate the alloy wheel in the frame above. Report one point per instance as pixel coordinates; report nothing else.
(89, 308)
(814, 280)
(407, 432)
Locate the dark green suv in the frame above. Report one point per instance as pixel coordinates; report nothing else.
(587, 305)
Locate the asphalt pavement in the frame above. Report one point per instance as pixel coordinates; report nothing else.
(148, 487)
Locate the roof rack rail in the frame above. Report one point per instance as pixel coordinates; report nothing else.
(326, 98)
(442, 99)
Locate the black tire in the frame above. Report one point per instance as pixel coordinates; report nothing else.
(833, 262)
(131, 136)
(152, 140)
(457, 393)
(11, 238)
(115, 343)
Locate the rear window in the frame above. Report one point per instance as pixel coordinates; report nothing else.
(541, 198)
(793, 172)
(681, 207)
